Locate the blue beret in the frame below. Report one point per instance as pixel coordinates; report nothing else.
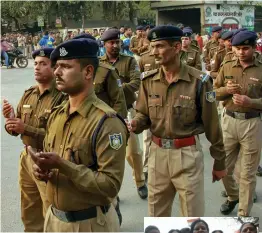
(227, 35)
(44, 52)
(187, 31)
(140, 28)
(166, 32)
(244, 38)
(216, 28)
(74, 49)
(85, 35)
(239, 30)
(111, 34)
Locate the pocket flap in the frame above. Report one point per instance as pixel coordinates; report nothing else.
(156, 101)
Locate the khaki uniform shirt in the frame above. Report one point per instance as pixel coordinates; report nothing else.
(134, 45)
(250, 80)
(129, 73)
(75, 186)
(108, 88)
(170, 110)
(216, 62)
(191, 57)
(210, 44)
(143, 45)
(34, 110)
(147, 62)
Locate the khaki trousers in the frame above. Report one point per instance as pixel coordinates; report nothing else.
(102, 223)
(147, 139)
(176, 170)
(34, 203)
(242, 138)
(134, 156)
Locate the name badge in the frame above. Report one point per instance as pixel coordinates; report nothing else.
(47, 110)
(154, 96)
(254, 79)
(26, 106)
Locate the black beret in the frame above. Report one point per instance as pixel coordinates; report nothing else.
(44, 52)
(187, 31)
(216, 28)
(74, 49)
(111, 34)
(84, 35)
(166, 32)
(140, 28)
(227, 35)
(244, 38)
(239, 30)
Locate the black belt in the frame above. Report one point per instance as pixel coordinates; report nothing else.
(242, 115)
(74, 216)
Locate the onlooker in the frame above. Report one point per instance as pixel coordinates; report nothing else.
(46, 41)
(21, 42)
(200, 42)
(248, 227)
(36, 40)
(199, 226)
(185, 230)
(29, 46)
(58, 39)
(152, 229)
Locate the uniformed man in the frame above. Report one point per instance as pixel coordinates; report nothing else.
(213, 42)
(107, 85)
(193, 43)
(176, 110)
(144, 43)
(221, 53)
(130, 77)
(135, 42)
(191, 56)
(84, 148)
(238, 84)
(30, 122)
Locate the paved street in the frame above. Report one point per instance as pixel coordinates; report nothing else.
(133, 209)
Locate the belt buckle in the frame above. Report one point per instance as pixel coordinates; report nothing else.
(167, 143)
(240, 115)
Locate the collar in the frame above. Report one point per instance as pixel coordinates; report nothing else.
(49, 90)
(84, 108)
(236, 62)
(182, 75)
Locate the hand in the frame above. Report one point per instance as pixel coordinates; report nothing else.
(16, 125)
(45, 160)
(207, 67)
(218, 175)
(41, 174)
(233, 88)
(241, 100)
(132, 126)
(8, 110)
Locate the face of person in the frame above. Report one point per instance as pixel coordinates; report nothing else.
(244, 52)
(186, 41)
(44, 73)
(113, 47)
(228, 44)
(70, 78)
(164, 53)
(200, 227)
(216, 34)
(139, 33)
(221, 42)
(122, 30)
(129, 32)
(248, 228)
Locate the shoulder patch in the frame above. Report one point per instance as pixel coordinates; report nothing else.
(107, 66)
(211, 96)
(115, 141)
(147, 74)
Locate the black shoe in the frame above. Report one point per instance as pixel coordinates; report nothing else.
(146, 176)
(224, 193)
(228, 207)
(117, 208)
(255, 197)
(259, 171)
(142, 192)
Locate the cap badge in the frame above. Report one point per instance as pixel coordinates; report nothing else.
(41, 53)
(154, 35)
(63, 52)
(246, 41)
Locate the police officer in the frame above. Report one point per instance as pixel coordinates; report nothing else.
(238, 84)
(176, 110)
(107, 85)
(191, 56)
(130, 77)
(135, 40)
(213, 42)
(193, 43)
(144, 43)
(30, 122)
(221, 53)
(84, 148)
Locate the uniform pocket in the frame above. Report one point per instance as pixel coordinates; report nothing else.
(254, 90)
(155, 107)
(42, 120)
(26, 114)
(184, 110)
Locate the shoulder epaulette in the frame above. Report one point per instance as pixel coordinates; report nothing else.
(125, 55)
(104, 107)
(221, 50)
(30, 88)
(195, 72)
(148, 74)
(146, 52)
(107, 66)
(195, 47)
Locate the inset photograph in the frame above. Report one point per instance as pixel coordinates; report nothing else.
(201, 225)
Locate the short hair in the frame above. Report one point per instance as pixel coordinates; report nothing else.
(251, 223)
(185, 230)
(196, 222)
(150, 228)
(172, 230)
(88, 61)
(46, 33)
(126, 28)
(217, 231)
(122, 26)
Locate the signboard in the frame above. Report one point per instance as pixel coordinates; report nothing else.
(58, 22)
(40, 21)
(229, 17)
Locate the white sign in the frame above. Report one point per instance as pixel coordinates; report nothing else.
(41, 22)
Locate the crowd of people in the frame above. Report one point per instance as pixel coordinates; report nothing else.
(201, 226)
(72, 166)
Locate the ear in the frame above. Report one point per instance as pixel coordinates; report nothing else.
(178, 46)
(89, 72)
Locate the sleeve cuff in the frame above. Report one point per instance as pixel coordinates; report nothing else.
(256, 103)
(219, 165)
(221, 93)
